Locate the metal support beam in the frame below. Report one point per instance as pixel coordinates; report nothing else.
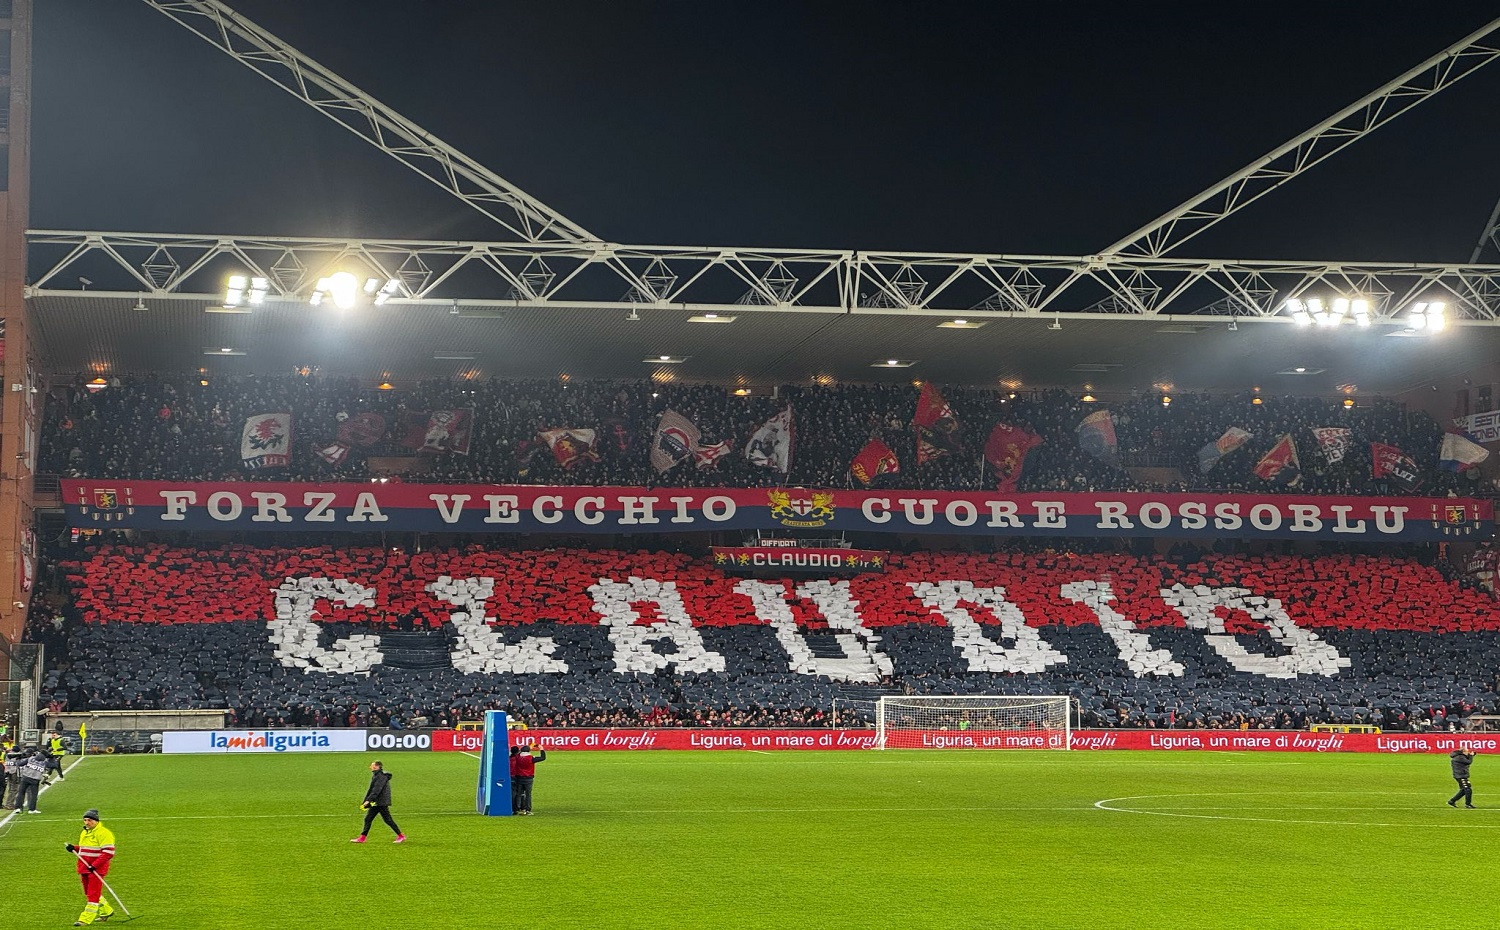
(1489, 240)
(273, 59)
(729, 280)
(1334, 134)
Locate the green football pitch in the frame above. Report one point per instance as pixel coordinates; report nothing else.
(898, 839)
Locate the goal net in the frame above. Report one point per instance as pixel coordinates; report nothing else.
(973, 722)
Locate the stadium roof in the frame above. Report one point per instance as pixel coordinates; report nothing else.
(1126, 325)
(763, 347)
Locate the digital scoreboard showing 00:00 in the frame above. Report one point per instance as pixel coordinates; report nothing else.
(398, 739)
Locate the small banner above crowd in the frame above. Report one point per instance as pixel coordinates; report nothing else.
(782, 559)
(485, 508)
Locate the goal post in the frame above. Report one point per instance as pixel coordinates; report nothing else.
(1016, 721)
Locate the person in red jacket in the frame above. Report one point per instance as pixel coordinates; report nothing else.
(522, 774)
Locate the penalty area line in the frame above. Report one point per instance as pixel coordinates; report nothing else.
(1105, 805)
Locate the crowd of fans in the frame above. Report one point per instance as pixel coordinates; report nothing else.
(193, 628)
(189, 428)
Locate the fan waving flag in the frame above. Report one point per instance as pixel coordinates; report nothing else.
(570, 446)
(1209, 455)
(1096, 436)
(439, 432)
(1333, 441)
(1006, 452)
(1281, 464)
(266, 441)
(771, 445)
(1387, 461)
(708, 456)
(1460, 453)
(874, 460)
(676, 438)
(935, 425)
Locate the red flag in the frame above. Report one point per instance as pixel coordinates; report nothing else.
(1006, 452)
(439, 431)
(1281, 463)
(570, 446)
(1387, 461)
(874, 460)
(935, 425)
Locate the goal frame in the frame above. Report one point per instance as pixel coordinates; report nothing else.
(1057, 737)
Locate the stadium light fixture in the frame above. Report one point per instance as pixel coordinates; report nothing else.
(1299, 311)
(341, 287)
(1428, 317)
(234, 290)
(1330, 316)
(387, 290)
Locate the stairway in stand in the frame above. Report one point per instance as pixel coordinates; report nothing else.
(415, 650)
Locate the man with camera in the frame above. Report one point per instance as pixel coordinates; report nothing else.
(1461, 760)
(522, 775)
(33, 770)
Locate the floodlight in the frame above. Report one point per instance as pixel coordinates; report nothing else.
(258, 289)
(342, 286)
(387, 290)
(234, 290)
(1428, 317)
(1435, 318)
(1361, 313)
(1333, 317)
(1299, 313)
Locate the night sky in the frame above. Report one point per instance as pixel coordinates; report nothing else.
(983, 127)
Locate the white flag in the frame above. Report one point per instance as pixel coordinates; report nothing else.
(266, 441)
(771, 445)
(676, 438)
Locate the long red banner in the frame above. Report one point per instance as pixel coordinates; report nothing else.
(535, 509)
(1219, 740)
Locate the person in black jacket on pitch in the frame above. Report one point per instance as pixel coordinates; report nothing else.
(1462, 759)
(378, 801)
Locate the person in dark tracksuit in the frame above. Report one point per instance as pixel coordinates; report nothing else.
(1462, 759)
(378, 801)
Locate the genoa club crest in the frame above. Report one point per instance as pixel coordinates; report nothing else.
(106, 504)
(1454, 519)
(811, 511)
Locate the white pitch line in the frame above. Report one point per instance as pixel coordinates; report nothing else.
(632, 812)
(41, 791)
(1104, 805)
